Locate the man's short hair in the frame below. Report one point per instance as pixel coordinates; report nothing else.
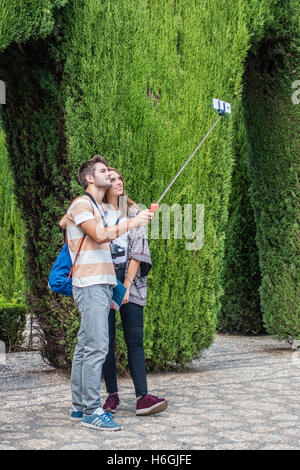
(88, 168)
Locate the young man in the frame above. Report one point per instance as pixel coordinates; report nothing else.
(93, 279)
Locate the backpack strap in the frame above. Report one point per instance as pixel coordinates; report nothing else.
(81, 243)
(80, 246)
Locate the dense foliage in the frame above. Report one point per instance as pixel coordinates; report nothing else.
(23, 20)
(241, 311)
(133, 81)
(273, 122)
(12, 262)
(12, 324)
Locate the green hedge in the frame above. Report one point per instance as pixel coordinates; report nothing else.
(132, 81)
(41, 171)
(12, 325)
(23, 20)
(139, 79)
(12, 234)
(273, 123)
(241, 312)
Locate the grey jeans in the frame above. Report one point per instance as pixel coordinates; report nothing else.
(93, 303)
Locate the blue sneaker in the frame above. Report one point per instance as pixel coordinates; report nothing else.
(102, 421)
(76, 415)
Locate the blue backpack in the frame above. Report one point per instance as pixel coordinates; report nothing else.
(60, 279)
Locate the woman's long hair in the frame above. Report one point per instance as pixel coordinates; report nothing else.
(126, 201)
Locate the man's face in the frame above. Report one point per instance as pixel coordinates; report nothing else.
(101, 176)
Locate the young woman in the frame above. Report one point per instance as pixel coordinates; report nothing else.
(131, 269)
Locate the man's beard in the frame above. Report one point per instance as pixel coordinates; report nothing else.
(104, 185)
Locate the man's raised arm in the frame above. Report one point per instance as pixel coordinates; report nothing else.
(107, 234)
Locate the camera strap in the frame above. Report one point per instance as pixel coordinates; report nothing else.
(100, 212)
(99, 209)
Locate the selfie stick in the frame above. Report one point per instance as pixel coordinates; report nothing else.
(221, 107)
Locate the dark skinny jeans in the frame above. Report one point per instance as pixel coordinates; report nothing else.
(132, 321)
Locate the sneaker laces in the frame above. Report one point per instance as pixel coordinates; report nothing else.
(107, 417)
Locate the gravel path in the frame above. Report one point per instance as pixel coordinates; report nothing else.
(242, 393)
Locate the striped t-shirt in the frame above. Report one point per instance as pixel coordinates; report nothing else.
(94, 263)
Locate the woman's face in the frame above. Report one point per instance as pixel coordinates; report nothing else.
(117, 187)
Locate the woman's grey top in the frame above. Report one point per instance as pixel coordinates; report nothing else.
(138, 249)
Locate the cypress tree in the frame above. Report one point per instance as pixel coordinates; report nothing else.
(132, 81)
(273, 132)
(12, 281)
(157, 67)
(241, 312)
(21, 20)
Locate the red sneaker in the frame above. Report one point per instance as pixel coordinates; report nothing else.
(112, 402)
(150, 404)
